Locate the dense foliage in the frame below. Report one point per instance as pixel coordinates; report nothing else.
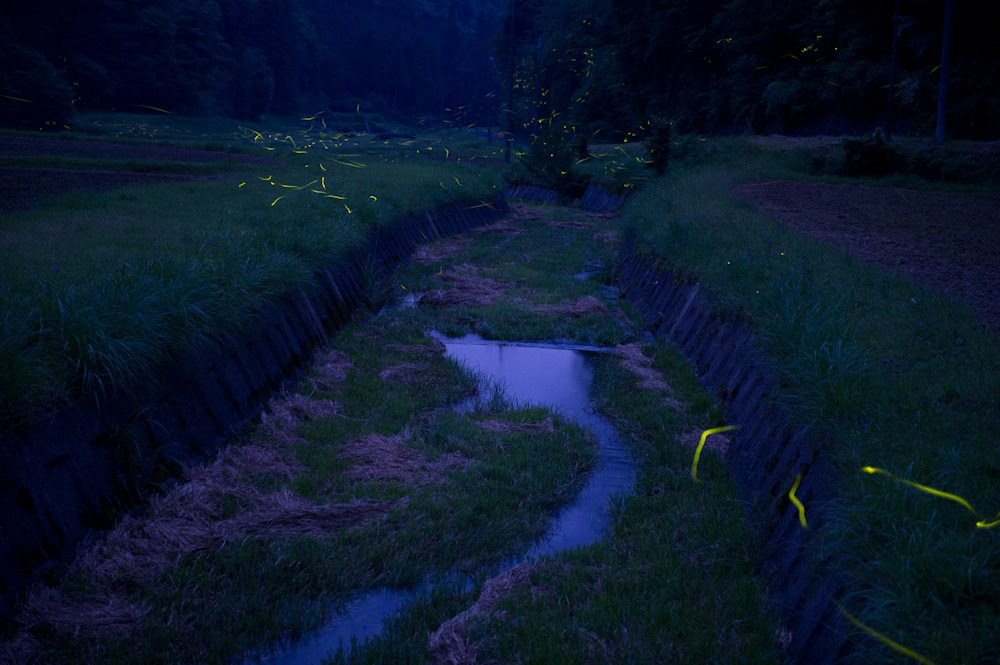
(713, 66)
(789, 66)
(242, 58)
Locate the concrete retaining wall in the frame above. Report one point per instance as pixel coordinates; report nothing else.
(74, 471)
(595, 198)
(766, 454)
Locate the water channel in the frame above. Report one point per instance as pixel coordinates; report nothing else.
(559, 376)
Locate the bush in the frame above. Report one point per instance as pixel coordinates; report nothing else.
(658, 144)
(551, 162)
(870, 155)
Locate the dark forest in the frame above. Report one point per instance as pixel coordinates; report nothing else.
(712, 66)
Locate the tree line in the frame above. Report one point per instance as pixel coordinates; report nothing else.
(241, 58)
(709, 66)
(759, 66)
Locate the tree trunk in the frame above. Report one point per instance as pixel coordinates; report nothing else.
(949, 11)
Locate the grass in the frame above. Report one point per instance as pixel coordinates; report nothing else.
(466, 517)
(887, 375)
(674, 577)
(100, 288)
(674, 580)
(535, 284)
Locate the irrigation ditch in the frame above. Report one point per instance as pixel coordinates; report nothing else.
(72, 473)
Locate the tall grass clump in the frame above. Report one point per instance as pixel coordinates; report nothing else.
(887, 375)
(101, 288)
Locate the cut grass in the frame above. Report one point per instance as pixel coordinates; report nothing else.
(888, 376)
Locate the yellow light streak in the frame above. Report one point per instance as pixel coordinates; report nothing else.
(153, 108)
(922, 488)
(983, 524)
(885, 640)
(18, 99)
(798, 504)
(701, 444)
(276, 200)
(348, 209)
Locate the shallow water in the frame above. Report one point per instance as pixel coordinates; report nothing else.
(558, 376)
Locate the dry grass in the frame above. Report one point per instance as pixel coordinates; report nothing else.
(408, 373)
(635, 361)
(330, 369)
(284, 415)
(445, 249)
(449, 644)
(392, 458)
(23, 649)
(717, 443)
(103, 614)
(426, 350)
(582, 307)
(502, 427)
(571, 225)
(468, 289)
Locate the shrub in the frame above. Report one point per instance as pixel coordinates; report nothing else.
(552, 163)
(870, 155)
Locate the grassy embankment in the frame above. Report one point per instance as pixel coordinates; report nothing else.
(101, 288)
(888, 375)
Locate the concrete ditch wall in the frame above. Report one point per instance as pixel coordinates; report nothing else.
(595, 198)
(72, 472)
(765, 457)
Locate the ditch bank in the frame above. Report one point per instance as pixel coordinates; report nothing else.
(771, 457)
(71, 473)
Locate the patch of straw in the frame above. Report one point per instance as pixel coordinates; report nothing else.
(571, 225)
(502, 427)
(439, 251)
(391, 458)
(582, 307)
(331, 369)
(434, 348)
(507, 227)
(468, 289)
(408, 373)
(103, 614)
(449, 644)
(634, 360)
(23, 649)
(717, 443)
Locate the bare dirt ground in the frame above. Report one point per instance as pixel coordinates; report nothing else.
(945, 242)
(23, 188)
